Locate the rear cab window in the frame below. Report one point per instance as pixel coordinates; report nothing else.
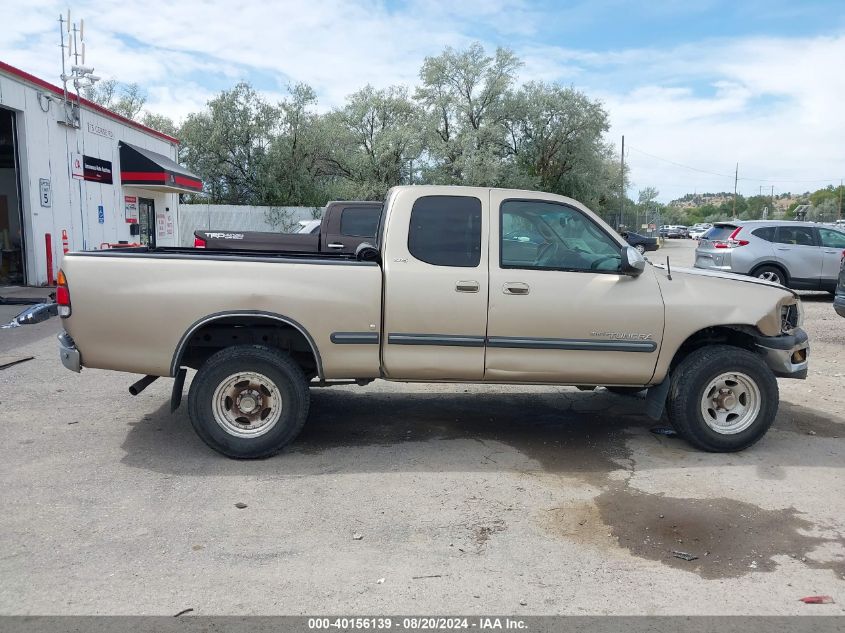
(719, 232)
(446, 231)
(360, 221)
(765, 233)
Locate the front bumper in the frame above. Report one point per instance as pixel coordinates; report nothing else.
(68, 353)
(839, 305)
(786, 355)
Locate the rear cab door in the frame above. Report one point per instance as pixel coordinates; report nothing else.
(563, 313)
(435, 257)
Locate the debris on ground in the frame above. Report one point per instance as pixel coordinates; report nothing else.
(357, 536)
(183, 612)
(18, 361)
(817, 600)
(240, 505)
(380, 581)
(430, 576)
(524, 603)
(684, 555)
(666, 431)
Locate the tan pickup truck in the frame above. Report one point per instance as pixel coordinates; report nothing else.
(461, 284)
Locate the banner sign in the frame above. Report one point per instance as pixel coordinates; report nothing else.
(76, 165)
(96, 170)
(131, 207)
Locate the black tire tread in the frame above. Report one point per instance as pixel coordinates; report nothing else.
(687, 380)
(298, 400)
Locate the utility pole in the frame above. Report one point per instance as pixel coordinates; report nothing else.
(840, 199)
(622, 187)
(773, 201)
(736, 179)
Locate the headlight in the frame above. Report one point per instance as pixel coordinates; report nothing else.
(791, 317)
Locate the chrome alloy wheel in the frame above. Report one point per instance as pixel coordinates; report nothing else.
(731, 403)
(770, 275)
(247, 404)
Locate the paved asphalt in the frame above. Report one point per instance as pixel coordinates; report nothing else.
(467, 499)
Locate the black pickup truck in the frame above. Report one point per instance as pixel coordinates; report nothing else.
(345, 225)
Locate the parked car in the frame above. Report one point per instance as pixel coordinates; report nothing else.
(839, 298)
(642, 243)
(443, 302)
(674, 231)
(345, 225)
(799, 255)
(698, 230)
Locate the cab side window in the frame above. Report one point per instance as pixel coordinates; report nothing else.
(551, 236)
(795, 235)
(359, 221)
(446, 231)
(832, 239)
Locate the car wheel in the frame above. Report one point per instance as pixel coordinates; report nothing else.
(248, 401)
(771, 273)
(722, 398)
(640, 248)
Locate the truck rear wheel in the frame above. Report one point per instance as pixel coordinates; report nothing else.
(722, 398)
(248, 401)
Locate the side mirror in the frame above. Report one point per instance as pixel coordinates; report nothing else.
(633, 263)
(366, 252)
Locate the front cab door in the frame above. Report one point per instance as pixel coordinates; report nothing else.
(559, 309)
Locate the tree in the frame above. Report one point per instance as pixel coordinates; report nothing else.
(227, 145)
(377, 137)
(462, 95)
(159, 122)
(125, 99)
(555, 140)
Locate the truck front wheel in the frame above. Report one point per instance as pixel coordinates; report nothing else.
(248, 401)
(722, 398)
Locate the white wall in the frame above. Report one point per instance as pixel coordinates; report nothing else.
(45, 148)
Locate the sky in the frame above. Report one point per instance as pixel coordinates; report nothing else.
(694, 86)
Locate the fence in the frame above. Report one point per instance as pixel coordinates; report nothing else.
(230, 217)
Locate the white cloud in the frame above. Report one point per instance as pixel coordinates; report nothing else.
(773, 104)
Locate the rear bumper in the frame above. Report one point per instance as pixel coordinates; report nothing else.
(839, 305)
(786, 355)
(68, 353)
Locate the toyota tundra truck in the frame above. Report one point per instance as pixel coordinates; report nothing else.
(460, 284)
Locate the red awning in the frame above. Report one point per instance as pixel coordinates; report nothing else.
(141, 167)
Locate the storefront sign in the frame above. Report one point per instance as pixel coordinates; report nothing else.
(97, 170)
(76, 168)
(100, 130)
(161, 224)
(45, 193)
(131, 206)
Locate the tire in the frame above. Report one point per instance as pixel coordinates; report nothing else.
(640, 248)
(743, 419)
(254, 420)
(771, 273)
(625, 391)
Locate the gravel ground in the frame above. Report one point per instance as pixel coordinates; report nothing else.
(416, 499)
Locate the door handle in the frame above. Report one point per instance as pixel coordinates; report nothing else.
(467, 286)
(831, 251)
(516, 288)
(335, 245)
(783, 248)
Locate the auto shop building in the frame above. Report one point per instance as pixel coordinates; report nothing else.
(76, 176)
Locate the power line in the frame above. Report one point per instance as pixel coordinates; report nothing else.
(713, 173)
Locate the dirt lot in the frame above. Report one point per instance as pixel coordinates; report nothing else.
(467, 499)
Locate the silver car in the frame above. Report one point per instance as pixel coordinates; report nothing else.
(799, 255)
